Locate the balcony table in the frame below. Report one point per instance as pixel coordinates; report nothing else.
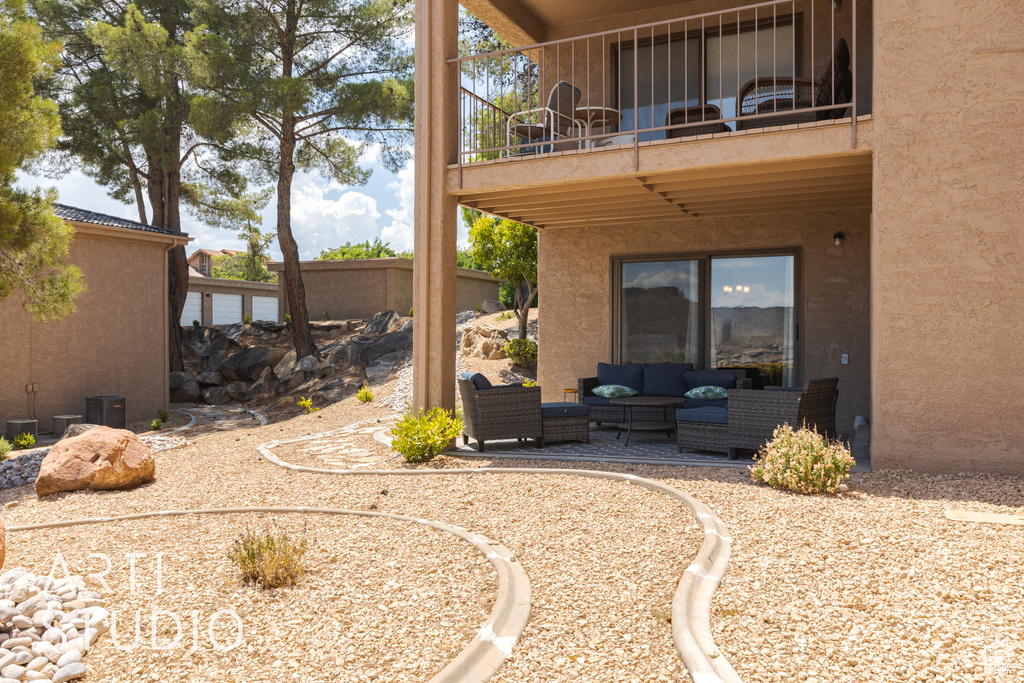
(594, 117)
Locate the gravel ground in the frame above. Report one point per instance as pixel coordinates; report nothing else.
(872, 585)
(366, 610)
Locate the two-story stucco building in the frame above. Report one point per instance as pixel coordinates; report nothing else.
(831, 186)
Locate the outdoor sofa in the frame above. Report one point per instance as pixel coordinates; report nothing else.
(654, 379)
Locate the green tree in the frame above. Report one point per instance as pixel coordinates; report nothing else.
(365, 249)
(323, 79)
(33, 241)
(129, 122)
(508, 250)
(250, 264)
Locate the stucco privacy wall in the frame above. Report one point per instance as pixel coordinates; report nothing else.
(575, 272)
(948, 237)
(244, 288)
(359, 288)
(114, 344)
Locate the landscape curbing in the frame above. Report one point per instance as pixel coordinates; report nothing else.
(691, 603)
(479, 660)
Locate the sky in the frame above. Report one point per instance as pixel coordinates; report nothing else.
(325, 214)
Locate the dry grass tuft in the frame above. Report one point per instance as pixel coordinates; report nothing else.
(270, 558)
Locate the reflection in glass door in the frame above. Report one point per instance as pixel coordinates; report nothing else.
(753, 315)
(660, 314)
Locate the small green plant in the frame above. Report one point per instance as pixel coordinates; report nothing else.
(410, 311)
(802, 461)
(324, 318)
(162, 414)
(364, 394)
(306, 404)
(479, 308)
(5, 448)
(24, 440)
(419, 437)
(269, 559)
(522, 352)
(288, 318)
(323, 374)
(246, 319)
(156, 424)
(504, 315)
(195, 323)
(529, 383)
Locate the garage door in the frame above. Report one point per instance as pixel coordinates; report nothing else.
(227, 309)
(193, 309)
(264, 308)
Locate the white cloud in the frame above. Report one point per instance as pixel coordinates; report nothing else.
(400, 231)
(658, 276)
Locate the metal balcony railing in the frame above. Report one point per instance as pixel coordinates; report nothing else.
(752, 67)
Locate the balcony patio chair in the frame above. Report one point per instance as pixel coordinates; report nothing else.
(708, 112)
(787, 96)
(754, 415)
(556, 123)
(509, 411)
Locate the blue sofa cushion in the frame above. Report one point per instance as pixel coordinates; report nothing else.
(666, 379)
(717, 378)
(631, 376)
(705, 403)
(564, 409)
(598, 401)
(478, 380)
(716, 415)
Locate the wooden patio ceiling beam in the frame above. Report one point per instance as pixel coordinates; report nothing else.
(772, 189)
(590, 209)
(595, 196)
(698, 206)
(553, 216)
(759, 178)
(778, 208)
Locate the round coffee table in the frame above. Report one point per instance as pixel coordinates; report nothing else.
(668, 425)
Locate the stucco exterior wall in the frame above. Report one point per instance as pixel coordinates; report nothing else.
(948, 239)
(360, 288)
(575, 271)
(114, 344)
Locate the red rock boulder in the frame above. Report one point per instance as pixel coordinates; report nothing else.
(102, 458)
(3, 543)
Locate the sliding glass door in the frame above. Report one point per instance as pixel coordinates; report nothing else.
(710, 310)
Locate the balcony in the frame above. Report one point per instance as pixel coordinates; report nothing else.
(637, 116)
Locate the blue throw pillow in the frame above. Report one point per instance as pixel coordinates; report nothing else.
(613, 391)
(708, 393)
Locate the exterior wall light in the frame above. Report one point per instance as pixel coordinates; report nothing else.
(839, 236)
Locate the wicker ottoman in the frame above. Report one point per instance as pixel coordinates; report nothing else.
(703, 429)
(565, 422)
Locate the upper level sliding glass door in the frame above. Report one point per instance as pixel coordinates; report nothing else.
(712, 311)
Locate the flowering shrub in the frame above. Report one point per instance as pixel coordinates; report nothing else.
(306, 404)
(364, 394)
(522, 352)
(419, 437)
(529, 383)
(802, 461)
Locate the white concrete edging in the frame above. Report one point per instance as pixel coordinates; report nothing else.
(485, 653)
(691, 604)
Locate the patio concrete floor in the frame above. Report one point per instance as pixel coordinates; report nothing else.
(645, 448)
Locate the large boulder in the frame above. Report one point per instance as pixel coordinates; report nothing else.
(249, 364)
(389, 343)
(235, 332)
(216, 396)
(178, 378)
(189, 392)
(102, 458)
(380, 370)
(269, 325)
(206, 340)
(339, 355)
(484, 341)
(210, 379)
(237, 390)
(285, 365)
(3, 543)
(491, 306)
(262, 386)
(76, 429)
(380, 323)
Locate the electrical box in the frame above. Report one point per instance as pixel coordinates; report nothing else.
(846, 359)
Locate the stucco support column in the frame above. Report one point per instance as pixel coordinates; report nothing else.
(436, 216)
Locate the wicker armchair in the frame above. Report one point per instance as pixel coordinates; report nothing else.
(754, 415)
(785, 95)
(509, 411)
(691, 115)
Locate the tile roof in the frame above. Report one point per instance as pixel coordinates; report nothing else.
(71, 213)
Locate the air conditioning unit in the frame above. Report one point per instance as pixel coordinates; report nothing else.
(62, 422)
(105, 410)
(15, 427)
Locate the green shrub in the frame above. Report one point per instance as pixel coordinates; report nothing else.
(156, 424)
(410, 311)
(522, 352)
(24, 440)
(5, 448)
(802, 461)
(323, 374)
(479, 308)
(306, 404)
(364, 394)
(162, 414)
(270, 558)
(195, 323)
(505, 315)
(419, 437)
(288, 318)
(247, 319)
